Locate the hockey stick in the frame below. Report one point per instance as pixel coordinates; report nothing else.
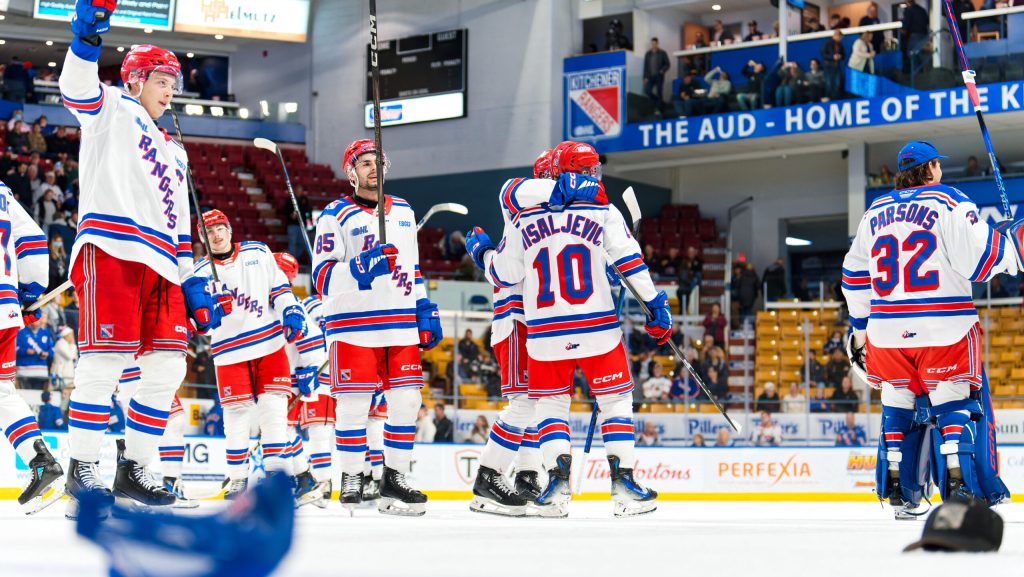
(267, 144)
(50, 296)
(972, 90)
(629, 197)
(443, 207)
(377, 146)
(195, 200)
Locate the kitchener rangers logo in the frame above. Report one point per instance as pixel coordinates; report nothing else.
(594, 102)
(345, 375)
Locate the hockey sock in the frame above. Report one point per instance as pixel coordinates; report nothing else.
(96, 377)
(295, 456)
(320, 451)
(529, 457)
(350, 430)
(237, 417)
(162, 374)
(954, 425)
(17, 421)
(507, 433)
(172, 446)
(400, 428)
(617, 427)
(272, 409)
(374, 448)
(553, 427)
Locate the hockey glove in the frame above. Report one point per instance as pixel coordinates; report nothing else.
(305, 380)
(613, 279)
(201, 306)
(855, 351)
(660, 325)
(294, 322)
(429, 324)
(1014, 232)
(370, 264)
(578, 187)
(477, 245)
(92, 18)
(28, 297)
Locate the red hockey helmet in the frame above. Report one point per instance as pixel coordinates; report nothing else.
(578, 157)
(352, 154)
(542, 166)
(288, 265)
(215, 217)
(144, 59)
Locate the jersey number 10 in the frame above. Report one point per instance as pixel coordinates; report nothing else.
(575, 285)
(887, 252)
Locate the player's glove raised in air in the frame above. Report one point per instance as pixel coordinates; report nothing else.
(660, 325)
(855, 349)
(305, 380)
(429, 324)
(477, 245)
(613, 279)
(578, 187)
(370, 264)
(28, 297)
(92, 18)
(294, 322)
(202, 307)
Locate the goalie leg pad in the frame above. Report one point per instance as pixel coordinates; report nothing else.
(903, 446)
(986, 456)
(553, 428)
(617, 431)
(954, 445)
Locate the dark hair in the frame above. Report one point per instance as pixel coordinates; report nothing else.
(919, 175)
(654, 38)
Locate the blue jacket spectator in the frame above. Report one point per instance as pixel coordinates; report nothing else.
(50, 417)
(34, 346)
(116, 422)
(850, 433)
(214, 425)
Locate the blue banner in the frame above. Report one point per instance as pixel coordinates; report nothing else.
(595, 96)
(982, 191)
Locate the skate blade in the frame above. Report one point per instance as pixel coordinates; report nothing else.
(482, 505)
(40, 502)
(635, 508)
(553, 510)
(389, 506)
(320, 503)
(351, 508)
(307, 499)
(183, 503)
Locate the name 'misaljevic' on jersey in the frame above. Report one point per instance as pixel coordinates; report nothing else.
(565, 223)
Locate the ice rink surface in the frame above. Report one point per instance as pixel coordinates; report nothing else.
(681, 538)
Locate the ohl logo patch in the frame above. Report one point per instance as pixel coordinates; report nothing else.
(595, 97)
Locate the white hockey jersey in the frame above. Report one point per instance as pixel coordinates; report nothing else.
(314, 308)
(26, 258)
(134, 201)
(561, 255)
(385, 315)
(261, 293)
(310, 350)
(907, 277)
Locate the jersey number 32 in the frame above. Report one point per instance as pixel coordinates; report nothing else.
(887, 252)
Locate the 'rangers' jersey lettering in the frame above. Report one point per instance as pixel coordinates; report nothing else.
(26, 258)
(907, 277)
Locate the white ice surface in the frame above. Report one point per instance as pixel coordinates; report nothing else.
(681, 538)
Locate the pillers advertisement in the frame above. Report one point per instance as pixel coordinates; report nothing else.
(595, 111)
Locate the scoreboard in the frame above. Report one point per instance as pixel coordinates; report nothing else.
(422, 78)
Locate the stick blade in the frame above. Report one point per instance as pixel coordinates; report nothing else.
(453, 207)
(265, 144)
(629, 197)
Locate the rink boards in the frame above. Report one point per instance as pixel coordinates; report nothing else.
(446, 471)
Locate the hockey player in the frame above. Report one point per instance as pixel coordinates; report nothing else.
(571, 321)
(248, 349)
(132, 259)
(907, 281)
(514, 433)
(22, 282)
(377, 318)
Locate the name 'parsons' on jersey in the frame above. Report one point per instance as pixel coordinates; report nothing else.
(907, 277)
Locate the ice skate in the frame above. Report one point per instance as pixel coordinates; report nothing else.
(956, 490)
(902, 510)
(492, 494)
(235, 488)
(84, 477)
(398, 498)
(630, 498)
(133, 487)
(174, 485)
(528, 485)
(553, 501)
(371, 489)
(46, 482)
(324, 489)
(351, 491)
(305, 489)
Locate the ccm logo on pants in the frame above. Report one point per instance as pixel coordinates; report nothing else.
(412, 368)
(606, 378)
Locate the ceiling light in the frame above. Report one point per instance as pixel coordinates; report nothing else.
(49, 42)
(2, 17)
(51, 64)
(216, 111)
(716, 7)
(218, 37)
(190, 55)
(148, 30)
(120, 48)
(194, 109)
(2, 42)
(243, 113)
(291, 107)
(793, 241)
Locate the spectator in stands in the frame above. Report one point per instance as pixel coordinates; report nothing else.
(50, 417)
(656, 64)
(657, 387)
(995, 24)
(844, 398)
(58, 263)
(8, 162)
(17, 116)
(698, 440)
(298, 225)
(752, 32)
(17, 83)
(17, 139)
(34, 348)
(719, 90)
(467, 270)
(745, 288)
(913, 36)
(48, 207)
(863, 56)
(715, 322)
(720, 34)
(615, 37)
(35, 182)
(469, 353)
(649, 436)
(204, 369)
(837, 369)
(750, 99)
(453, 245)
(668, 264)
(769, 399)
(723, 438)
(835, 341)
(768, 433)
(717, 381)
(684, 387)
(690, 100)
(691, 272)
(819, 404)
(887, 176)
(714, 358)
(481, 429)
(870, 19)
(973, 170)
(790, 77)
(832, 54)
(817, 376)
(425, 429)
(641, 366)
(60, 141)
(213, 423)
(445, 429)
(813, 83)
(850, 434)
(36, 140)
(774, 279)
(65, 355)
(19, 183)
(795, 401)
(998, 289)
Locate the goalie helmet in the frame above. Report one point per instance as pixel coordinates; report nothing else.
(144, 59)
(542, 166)
(352, 154)
(288, 264)
(578, 157)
